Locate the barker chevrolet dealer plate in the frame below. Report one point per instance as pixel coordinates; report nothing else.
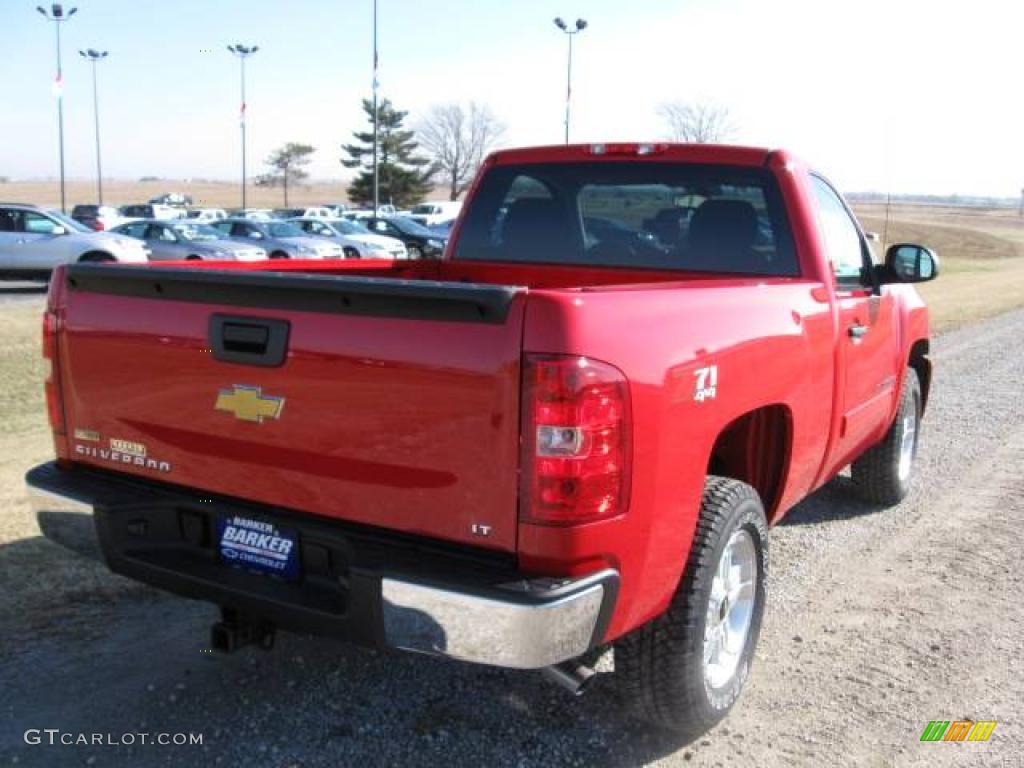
(258, 546)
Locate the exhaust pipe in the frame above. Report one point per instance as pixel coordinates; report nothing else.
(571, 675)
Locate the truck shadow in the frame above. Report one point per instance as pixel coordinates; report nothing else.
(99, 654)
(836, 500)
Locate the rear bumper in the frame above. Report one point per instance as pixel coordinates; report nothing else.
(358, 584)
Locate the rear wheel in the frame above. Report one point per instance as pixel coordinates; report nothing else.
(882, 474)
(279, 255)
(684, 669)
(350, 252)
(193, 257)
(415, 252)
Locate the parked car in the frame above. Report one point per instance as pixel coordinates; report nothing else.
(206, 214)
(356, 241)
(175, 199)
(543, 445)
(97, 217)
(443, 228)
(281, 239)
(318, 212)
(256, 214)
(428, 214)
(421, 242)
(152, 211)
(34, 240)
(183, 240)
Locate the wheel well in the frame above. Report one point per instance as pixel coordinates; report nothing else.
(755, 449)
(279, 255)
(96, 256)
(922, 364)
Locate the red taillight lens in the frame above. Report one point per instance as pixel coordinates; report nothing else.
(98, 225)
(54, 409)
(576, 442)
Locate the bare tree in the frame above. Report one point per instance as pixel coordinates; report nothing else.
(288, 163)
(457, 140)
(696, 123)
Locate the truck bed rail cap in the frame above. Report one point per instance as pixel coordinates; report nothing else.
(377, 296)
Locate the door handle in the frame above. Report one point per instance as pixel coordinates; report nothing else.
(857, 331)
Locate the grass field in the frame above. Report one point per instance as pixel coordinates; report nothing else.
(981, 253)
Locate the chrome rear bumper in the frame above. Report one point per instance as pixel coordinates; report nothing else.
(440, 609)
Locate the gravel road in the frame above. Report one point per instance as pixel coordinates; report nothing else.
(878, 623)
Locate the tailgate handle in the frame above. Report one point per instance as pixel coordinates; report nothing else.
(249, 340)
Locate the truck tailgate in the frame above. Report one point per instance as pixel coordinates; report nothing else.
(394, 403)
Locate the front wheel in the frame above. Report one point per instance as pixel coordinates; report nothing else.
(684, 669)
(415, 252)
(882, 473)
(350, 252)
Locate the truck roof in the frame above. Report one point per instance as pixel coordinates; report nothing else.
(655, 151)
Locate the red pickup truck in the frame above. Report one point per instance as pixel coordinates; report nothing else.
(571, 432)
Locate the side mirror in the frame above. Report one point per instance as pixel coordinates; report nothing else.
(910, 263)
(58, 230)
(255, 235)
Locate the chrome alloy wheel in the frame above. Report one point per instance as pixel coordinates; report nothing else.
(908, 445)
(730, 609)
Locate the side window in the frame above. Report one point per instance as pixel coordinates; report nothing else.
(136, 229)
(842, 238)
(36, 224)
(9, 220)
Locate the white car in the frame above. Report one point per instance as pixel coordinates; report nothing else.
(356, 241)
(34, 240)
(206, 214)
(429, 214)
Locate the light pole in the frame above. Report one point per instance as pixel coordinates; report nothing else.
(57, 16)
(95, 57)
(581, 24)
(376, 176)
(243, 52)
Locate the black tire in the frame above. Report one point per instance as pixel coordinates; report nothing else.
(279, 255)
(877, 475)
(660, 666)
(96, 256)
(193, 257)
(414, 252)
(350, 252)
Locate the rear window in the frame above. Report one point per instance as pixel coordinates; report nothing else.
(708, 218)
(85, 210)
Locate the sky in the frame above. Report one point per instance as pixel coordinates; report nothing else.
(906, 96)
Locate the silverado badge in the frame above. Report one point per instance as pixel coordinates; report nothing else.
(248, 403)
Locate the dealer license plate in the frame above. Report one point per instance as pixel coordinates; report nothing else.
(258, 546)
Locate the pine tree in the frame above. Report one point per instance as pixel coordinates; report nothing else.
(404, 179)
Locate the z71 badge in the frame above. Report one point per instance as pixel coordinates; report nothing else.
(707, 383)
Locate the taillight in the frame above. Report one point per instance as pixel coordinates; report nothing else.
(52, 325)
(576, 441)
(54, 409)
(98, 225)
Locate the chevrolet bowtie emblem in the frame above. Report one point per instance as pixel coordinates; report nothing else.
(248, 403)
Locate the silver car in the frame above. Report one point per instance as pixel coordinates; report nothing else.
(183, 240)
(281, 239)
(34, 240)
